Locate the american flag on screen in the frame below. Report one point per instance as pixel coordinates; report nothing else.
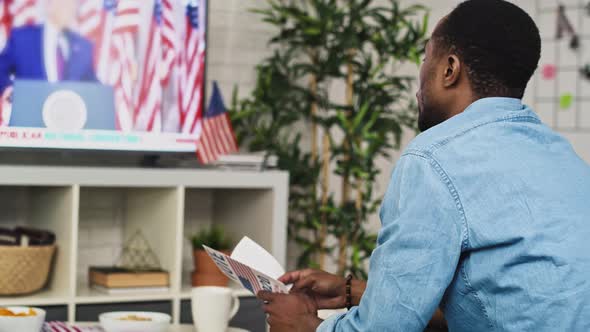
(5, 106)
(191, 68)
(169, 41)
(158, 65)
(218, 136)
(5, 23)
(24, 12)
(15, 13)
(113, 26)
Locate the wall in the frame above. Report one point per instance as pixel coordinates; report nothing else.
(237, 43)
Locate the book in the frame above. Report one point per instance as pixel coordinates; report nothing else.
(114, 277)
(252, 162)
(130, 290)
(251, 266)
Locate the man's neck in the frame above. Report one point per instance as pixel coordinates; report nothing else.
(460, 103)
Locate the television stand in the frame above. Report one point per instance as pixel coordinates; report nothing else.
(151, 161)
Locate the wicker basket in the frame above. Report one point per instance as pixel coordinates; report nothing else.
(24, 270)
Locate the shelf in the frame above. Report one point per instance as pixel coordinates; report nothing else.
(87, 295)
(154, 212)
(94, 210)
(49, 208)
(133, 177)
(44, 297)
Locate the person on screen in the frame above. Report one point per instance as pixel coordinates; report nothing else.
(487, 213)
(51, 52)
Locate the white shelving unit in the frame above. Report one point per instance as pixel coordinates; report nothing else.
(167, 205)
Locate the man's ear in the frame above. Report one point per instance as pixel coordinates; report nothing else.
(452, 71)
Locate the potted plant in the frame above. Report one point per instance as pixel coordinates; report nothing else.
(329, 102)
(206, 272)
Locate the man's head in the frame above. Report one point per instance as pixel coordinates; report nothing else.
(483, 48)
(61, 13)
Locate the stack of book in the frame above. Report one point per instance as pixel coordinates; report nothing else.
(246, 162)
(115, 280)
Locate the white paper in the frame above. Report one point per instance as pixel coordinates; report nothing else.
(255, 269)
(252, 254)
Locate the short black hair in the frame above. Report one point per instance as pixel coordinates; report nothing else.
(498, 42)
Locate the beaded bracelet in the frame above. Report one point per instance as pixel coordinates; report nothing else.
(348, 291)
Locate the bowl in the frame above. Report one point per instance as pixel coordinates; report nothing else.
(120, 321)
(22, 324)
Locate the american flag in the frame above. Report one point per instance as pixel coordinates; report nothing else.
(169, 41)
(158, 65)
(5, 22)
(246, 276)
(96, 20)
(191, 63)
(5, 106)
(92, 15)
(113, 26)
(15, 13)
(24, 12)
(218, 137)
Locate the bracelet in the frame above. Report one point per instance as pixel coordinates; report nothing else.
(348, 295)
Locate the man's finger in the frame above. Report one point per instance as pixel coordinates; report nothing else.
(304, 283)
(290, 277)
(293, 276)
(267, 308)
(266, 296)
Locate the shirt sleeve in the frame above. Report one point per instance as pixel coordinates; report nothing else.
(417, 251)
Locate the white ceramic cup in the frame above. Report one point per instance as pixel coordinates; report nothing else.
(213, 307)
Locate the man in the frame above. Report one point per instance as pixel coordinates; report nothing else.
(487, 213)
(50, 52)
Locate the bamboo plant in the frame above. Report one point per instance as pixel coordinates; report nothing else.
(323, 139)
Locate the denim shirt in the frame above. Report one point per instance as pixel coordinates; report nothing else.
(488, 216)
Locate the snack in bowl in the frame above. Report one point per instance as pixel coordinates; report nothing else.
(134, 321)
(9, 313)
(21, 319)
(136, 318)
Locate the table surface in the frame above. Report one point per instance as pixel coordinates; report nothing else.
(173, 328)
(182, 328)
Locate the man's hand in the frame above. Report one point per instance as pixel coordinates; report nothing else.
(295, 312)
(328, 290)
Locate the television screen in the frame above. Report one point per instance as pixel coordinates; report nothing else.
(102, 74)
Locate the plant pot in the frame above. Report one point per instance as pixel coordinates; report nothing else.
(206, 272)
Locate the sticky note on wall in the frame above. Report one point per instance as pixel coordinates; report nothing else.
(548, 72)
(565, 101)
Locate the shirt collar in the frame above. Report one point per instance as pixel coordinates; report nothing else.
(481, 111)
(51, 29)
(54, 35)
(502, 103)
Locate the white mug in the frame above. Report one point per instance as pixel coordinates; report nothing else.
(213, 307)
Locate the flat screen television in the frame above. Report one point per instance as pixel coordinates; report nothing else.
(118, 75)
